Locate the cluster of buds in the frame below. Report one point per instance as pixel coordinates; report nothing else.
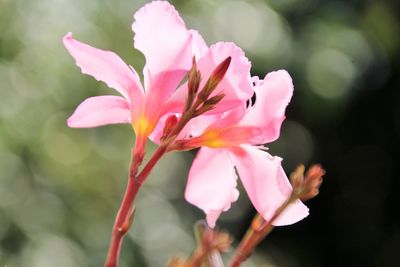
(198, 101)
(202, 99)
(211, 239)
(210, 243)
(306, 186)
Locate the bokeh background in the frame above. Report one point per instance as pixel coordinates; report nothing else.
(60, 188)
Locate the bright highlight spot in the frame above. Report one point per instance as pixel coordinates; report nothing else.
(258, 28)
(330, 73)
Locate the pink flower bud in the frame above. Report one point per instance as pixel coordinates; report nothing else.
(169, 125)
(215, 78)
(220, 71)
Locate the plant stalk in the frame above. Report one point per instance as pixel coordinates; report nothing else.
(256, 233)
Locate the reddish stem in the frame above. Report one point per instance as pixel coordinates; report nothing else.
(118, 231)
(304, 188)
(258, 230)
(123, 220)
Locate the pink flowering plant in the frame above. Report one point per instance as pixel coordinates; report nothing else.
(196, 96)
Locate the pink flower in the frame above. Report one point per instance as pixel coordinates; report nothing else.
(168, 47)
(229, 142)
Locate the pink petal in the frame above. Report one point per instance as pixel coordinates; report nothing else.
(100, 110)
(161, 35)
(222, 131)
(177, 100)
(193, 128)
(106, 66)
(155, 99)
(229, 118)
(158, 131)
(273, 94)
(199, 47)
(197, 125)
(211, 184)
(266, 184)
(236, 85)
(296, 211)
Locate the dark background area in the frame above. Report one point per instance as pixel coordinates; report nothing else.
(355, 219)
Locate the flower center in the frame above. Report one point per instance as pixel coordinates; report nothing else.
(142, 126)
(212, 139)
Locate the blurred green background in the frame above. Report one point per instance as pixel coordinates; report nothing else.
(60, 188)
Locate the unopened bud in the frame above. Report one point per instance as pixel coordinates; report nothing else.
(216, 240)
(169, 126)
(215, 78)
(214, 100)
(223, 241)
(220, 71)
(306, 186)
(212, 239)
(194, 78)
(297, 176)
(312, 181)
(209, 104)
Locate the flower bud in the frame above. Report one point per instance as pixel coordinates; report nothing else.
(312, 181)
(169, 126)
(209, 104)
(297, 177)
(220, 71)
(223, 241)
(194, 78)
(215, 78)
(307, 186)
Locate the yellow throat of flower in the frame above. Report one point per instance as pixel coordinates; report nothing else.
(142, 126)
(211, 139)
